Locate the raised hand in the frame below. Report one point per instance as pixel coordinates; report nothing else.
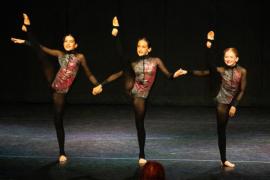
(17, 41)
(97, 90)
(179, 72)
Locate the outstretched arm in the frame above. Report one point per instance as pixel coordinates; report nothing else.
(207, 72)
(165, 71)
(19, 41)
(87, 71)
(98, 89)
(52, 52)
(113, 77)
(32, 43)
(37, 46)
(200, 73)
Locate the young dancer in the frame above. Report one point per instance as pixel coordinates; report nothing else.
(139, 75)
(69, 60)
(233, 84)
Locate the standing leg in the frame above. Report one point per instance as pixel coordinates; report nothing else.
(59, 102)
(139, 109)
(222, 121)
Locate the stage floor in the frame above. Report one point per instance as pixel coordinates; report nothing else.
(101, 143)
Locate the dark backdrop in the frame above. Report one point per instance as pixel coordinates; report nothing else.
(177, 30)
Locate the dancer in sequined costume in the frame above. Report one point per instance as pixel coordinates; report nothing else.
(69, 61)
(233, 84)
(140, 75)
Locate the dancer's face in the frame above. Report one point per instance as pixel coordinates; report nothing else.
(142, 48)
(69, 43)
(230, 58)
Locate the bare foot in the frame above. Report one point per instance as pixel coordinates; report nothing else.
(115, 22)
(142, 162)
(26, 19)
(211, 35)
(62, 159)
(228, 164)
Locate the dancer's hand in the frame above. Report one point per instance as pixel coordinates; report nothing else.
(179, 72)
(17, 41)
(232, 111)
(97, 90)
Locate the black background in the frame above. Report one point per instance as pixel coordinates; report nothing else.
(177, 30)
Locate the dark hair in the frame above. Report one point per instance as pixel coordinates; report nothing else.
(69, 34)
(234, 50)
(146, 40)
(152, 170)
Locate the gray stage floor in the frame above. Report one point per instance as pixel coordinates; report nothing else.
(101, 143)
